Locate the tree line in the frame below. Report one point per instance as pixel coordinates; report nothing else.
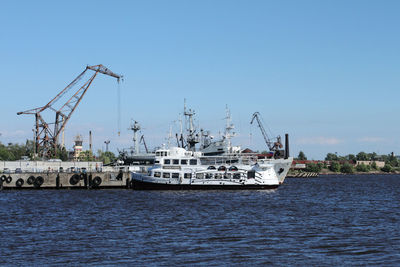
(12, 152)
(345, 164)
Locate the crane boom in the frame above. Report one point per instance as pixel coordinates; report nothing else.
(256, 116)
(46, 139)
(100, 68)
(144, 143)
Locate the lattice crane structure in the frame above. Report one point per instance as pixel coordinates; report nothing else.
(46, 137)
(272, 146)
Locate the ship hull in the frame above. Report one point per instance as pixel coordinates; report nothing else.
(142, 185)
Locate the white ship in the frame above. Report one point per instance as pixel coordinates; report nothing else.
(177, 168)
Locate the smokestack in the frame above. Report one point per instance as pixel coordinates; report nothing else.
(90, 142)
(286, 146)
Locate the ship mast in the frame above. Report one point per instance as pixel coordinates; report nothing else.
(135, 127)
(192, 138)
(229, 130)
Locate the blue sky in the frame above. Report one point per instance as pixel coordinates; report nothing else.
(326, 72)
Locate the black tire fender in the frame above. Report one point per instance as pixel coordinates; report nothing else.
(38, 181)
(8, 179)
(19, 182)
(96, 181)
(74, 179)
(30, 180)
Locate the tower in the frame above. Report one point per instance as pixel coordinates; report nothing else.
(78, 146)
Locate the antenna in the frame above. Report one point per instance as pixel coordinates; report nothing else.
(107, 142)
(135, 127)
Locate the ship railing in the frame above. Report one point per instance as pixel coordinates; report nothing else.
(231, 159)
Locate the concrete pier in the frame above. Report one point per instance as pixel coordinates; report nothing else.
(64, 180)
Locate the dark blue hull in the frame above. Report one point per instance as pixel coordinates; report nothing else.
(140, 185)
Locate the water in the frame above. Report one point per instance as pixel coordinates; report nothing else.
(332, 220)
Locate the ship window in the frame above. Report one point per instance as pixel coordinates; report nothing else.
(188, 175)
(157, 154)
(193, 162)
(157, 174)
(209, 175)
(183, 161)
(175, 161)
(221, 168)
(233, 168)
(167, 161)
(166, 175)
(156, 161)
(175, 175)
(251, 174)
(199, 175)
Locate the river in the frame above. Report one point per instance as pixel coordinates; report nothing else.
(330, 220)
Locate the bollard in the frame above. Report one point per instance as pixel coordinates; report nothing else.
(89, 185)
(58, 181)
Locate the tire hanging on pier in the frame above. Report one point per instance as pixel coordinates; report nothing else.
(38, 181)
(8, 179)
(31, 180)
(3, 178)
(96, 181)
(19, 182)
(74, 179)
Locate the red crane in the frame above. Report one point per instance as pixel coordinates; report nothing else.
(46, 139)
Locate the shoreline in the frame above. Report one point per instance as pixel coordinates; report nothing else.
(338, 174)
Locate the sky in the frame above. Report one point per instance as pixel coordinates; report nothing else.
(325, 72)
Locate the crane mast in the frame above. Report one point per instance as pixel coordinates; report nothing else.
(46, 139)
(274, 147)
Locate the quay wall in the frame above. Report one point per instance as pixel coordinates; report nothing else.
(58, 180)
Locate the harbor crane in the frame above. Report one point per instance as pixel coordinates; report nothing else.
(144, 143)
(272, 146)
(46, 138)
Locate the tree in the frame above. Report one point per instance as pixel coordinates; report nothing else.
(86, 155)
(12, 151)
(321, 165)
(392, 160)
(312, 167)
(373, 156)
(347, 168)
(301, 156)
(106, 157)
(351, 157)
(335, 166)
(387, 168)
(374, 166)
(362, 156)
(363, 168)
(62, 153)
(331, 156)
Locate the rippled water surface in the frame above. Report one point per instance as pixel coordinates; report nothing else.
(321, 221)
